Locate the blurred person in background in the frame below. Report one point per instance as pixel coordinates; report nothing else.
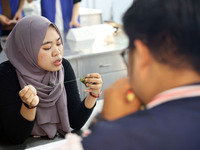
(64, 13)
(10, 13)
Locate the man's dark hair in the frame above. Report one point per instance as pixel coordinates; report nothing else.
(170, 28)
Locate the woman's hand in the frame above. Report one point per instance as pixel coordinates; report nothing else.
(94, 82)
(18, 16)
(29, 96)
(4, 20)
(74, 23)
(116, 103)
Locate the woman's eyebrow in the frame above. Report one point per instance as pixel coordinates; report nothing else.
(58, 38)
(49, 42)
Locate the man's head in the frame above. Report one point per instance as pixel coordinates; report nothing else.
(164, 40)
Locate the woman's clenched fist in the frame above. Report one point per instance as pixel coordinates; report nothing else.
(29, 96)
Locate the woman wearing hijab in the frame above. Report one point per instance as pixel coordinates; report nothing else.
(34, 99)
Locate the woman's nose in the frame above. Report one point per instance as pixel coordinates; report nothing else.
(56, 51)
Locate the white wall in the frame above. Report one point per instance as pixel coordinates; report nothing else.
(112, 9)
(119, 8)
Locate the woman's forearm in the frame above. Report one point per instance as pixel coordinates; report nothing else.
(75, 11)
(90, 101)
(21, 5)
(28, 114)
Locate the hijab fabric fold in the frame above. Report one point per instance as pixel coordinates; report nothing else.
(22, 48)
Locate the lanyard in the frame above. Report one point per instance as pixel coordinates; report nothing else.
(174, 94)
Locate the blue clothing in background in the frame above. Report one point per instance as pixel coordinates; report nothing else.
(48, 10)
(14, 4)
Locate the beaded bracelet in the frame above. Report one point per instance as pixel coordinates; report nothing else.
(27, 106)
(94, 95)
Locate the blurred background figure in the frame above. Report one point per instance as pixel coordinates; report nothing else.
(64, 13)
(10, 13)
(32, 7)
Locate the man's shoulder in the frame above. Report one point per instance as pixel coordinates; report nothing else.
(147, 126)
(123, 125)
(152, 120)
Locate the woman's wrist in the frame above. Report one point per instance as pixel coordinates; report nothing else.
(28, 114)
(95, 95)
(29, 107)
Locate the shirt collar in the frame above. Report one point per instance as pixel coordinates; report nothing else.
(174, 94)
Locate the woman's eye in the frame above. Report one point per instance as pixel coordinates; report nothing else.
(58, 44)
(47, 48)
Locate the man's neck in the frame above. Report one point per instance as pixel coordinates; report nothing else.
(170, 78)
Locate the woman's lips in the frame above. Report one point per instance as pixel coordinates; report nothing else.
(58, 62)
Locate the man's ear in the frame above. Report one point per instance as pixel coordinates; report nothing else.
(142, 54)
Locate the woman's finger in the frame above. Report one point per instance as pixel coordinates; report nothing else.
(27, 94)
(23, 91)
(33, 89)
(94, 86)
(94, 75)
(94, 80)
(34, 101)
(88, 90)
(29, 99)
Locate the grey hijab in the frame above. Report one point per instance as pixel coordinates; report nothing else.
(22, 48)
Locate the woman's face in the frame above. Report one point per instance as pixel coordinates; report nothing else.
(51, 52)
